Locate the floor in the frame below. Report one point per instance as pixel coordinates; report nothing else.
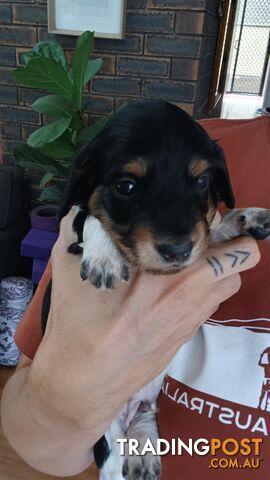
(11, 465)
(241, 106)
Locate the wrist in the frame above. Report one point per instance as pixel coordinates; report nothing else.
(64, 451)
(63, 397)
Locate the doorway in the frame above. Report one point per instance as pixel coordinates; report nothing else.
(248, 60)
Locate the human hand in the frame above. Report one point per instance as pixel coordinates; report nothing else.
(101, 347)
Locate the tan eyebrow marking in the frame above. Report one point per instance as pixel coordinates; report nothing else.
(197, 167)
(136, 167)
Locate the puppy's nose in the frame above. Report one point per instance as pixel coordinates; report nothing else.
(176, 252)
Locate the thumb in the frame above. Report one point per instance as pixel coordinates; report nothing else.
(231, 257)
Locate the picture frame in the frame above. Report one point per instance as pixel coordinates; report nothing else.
(72, 17)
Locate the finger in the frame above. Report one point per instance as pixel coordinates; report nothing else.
(66, 225)
(224, 289)
(231, 257)
(67, 234)
(216, 220)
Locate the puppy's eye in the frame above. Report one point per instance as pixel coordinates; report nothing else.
(202, 182)
(126, 187)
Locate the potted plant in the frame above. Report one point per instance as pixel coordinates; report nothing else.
(50, 149)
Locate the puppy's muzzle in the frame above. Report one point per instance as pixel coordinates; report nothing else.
(176, 253)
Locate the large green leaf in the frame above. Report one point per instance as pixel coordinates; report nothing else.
(39, 138)
(92, 68)
(89, 133)
(60, 148)
(53, 105)
(47, 50)
(47, 74)
(31, 158)
(51, 194)
(80, 59)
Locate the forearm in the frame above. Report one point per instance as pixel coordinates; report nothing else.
(51, 445)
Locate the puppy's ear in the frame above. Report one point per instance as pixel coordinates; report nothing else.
(83, 179)
(222, 183)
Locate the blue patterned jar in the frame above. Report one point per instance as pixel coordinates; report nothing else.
(15, 295)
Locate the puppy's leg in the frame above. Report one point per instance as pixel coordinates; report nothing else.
(253, 221)
(102, 263)
(142, 427)
(112, 463)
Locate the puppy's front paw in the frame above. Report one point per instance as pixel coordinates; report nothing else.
(143, 427)
(252, 221)
(102, 263)
(141, 468)
(256, 221)
(103, 273)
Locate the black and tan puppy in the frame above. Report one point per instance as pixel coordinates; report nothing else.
(147, 188)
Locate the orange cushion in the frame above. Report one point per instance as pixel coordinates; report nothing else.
(246, 144)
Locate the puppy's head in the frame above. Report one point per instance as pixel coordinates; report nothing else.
(153, 178)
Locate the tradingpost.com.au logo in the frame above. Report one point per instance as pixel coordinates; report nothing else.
(224, 454)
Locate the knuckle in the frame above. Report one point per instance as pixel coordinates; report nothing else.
(227, 288)
(236, 283)
(231, 286)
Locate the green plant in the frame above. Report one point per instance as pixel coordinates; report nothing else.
(50, 149)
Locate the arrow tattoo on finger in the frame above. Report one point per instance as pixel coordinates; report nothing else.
(237, 255)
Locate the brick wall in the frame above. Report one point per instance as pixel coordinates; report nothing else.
(167, 53)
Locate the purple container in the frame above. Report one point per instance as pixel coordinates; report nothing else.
(44, 217)
(38, 243)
